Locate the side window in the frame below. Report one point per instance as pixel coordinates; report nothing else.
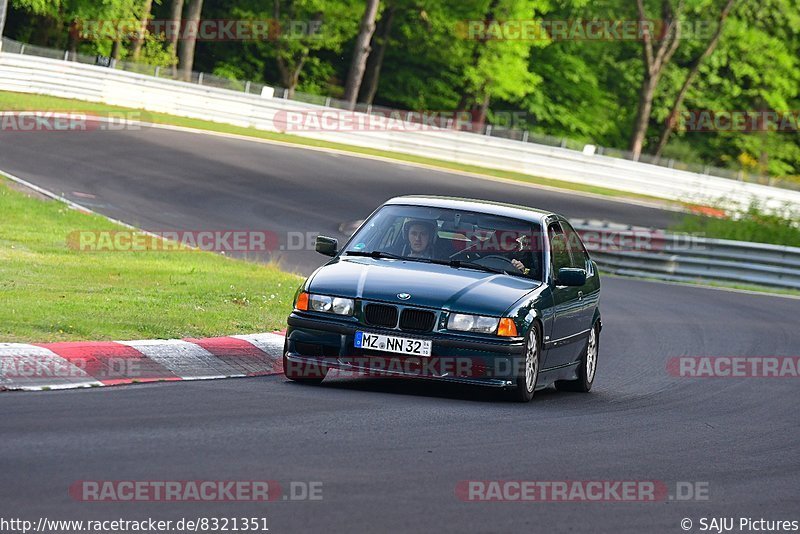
(577, 251)
(559, 252)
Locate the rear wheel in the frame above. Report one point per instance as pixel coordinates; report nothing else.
(528, 374)
(304, 373)
(588, 366)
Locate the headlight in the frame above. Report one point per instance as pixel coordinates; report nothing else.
(343, 306)
(472, 323)
(326, 304)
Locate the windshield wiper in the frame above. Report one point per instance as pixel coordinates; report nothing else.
(451, 263)
(380, 254)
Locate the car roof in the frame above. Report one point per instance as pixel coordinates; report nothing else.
(469, 204)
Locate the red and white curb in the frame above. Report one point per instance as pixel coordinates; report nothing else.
(36, 367)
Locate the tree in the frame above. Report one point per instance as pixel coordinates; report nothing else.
(176, 13)
(694, 69)
(380, 41)
(498, 68)
(140, 35)
(655, 60)
(190, 40)
(361, 53)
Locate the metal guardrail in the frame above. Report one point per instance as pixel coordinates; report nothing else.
(68, 79)
(495, 131)
(650, 253)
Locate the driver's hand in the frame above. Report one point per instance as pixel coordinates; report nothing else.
(518, 264)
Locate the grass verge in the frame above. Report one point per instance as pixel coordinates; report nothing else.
(10, 101)
(50, 292)
(753, 224)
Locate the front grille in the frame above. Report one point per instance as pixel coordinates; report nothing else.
(381, 315)
(417, 320)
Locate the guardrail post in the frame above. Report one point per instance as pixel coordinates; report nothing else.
(200, 79)
(22, 50)
(247, 87)
(66, 55)
(328, 102)
(157, 71)
(525, 134)
(488, 129)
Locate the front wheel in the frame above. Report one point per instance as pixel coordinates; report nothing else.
(528, 375)
(588, 365)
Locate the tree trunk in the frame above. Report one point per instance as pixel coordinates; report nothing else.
(175, 17)
(375, 62)
(361, 53)
(290, 74)
(188, 44)
(3, 11)
(694, 69)
(646, 92)
(467, 97)
(140, 36)
(655, 60)
(116, 49)
(479, 118)
(73, 46)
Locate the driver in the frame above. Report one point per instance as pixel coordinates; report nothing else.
(522, 252)
(419, 235)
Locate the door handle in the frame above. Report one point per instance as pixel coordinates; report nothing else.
(580, 295)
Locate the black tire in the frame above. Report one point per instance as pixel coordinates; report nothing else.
(303, 373)
(586, 374)
(525, 383)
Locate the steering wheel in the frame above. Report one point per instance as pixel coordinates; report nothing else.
(494, 258)
(465, 252)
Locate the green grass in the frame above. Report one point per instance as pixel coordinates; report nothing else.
(10, 101)
(753, 224)
(50, 292)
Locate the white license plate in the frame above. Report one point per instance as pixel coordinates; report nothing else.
(400, 345)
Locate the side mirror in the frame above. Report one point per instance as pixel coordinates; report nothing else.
(571, 277)
(326, 245)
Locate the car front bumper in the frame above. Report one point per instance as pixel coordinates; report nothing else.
(314, 342)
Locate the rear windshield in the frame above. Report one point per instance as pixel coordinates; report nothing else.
(417, 232)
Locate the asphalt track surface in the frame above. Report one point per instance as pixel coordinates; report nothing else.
(390, 454)
(168, 180)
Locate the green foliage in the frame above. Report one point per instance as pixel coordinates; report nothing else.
(585, 90)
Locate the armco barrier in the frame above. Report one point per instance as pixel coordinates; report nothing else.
(30, 74)
(655, 254)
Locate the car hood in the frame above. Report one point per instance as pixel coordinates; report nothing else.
(437, 286)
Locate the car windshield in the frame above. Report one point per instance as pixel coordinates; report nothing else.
(463, 239)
